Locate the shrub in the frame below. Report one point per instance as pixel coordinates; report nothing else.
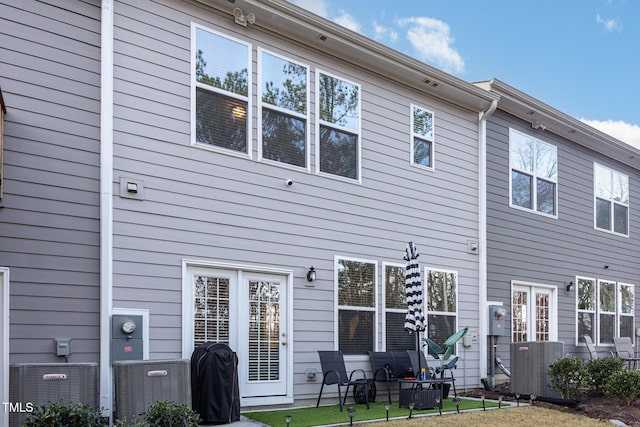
(67, 414)
(601, 369)
(164, 413)
(624, 384)
(569, 376)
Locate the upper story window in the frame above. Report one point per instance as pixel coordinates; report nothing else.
(422, 137)
(284, 110)
(442, 304)
(611, 192)
(339, 127)
(222, 91)
(356, 295)
(534, 174)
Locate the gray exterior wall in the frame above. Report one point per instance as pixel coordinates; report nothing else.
(49, 217)
(528, 247)
(205, 205)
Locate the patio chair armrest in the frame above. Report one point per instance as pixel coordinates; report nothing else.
(364, 374)
(336, 373)
(387, 377)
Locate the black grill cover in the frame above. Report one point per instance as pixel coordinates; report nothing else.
(214, 383)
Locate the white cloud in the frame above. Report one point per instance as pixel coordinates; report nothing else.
(431, 40)
(347, 21)
(610, 25)
(623, 131)
(382, 33)
(319, 7)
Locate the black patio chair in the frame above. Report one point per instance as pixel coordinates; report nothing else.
(382, 365)
(335, 372)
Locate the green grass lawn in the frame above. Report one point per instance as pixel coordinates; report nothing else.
(326, 415)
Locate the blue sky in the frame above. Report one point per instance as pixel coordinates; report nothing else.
(579, 56)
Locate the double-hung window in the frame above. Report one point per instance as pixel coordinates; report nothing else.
(284, 110)
(356, 288)
(422, 137)
(442, 303)
(586, 316)
(338, 106)
(605, 309)
(395, 306)
(611, 192)
(222, 92)
(534, 174)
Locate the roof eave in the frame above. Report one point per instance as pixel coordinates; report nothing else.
(536, 112)
(326, 36)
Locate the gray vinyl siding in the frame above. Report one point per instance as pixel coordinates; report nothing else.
(201, 204)
(524, 246)
(49, 219)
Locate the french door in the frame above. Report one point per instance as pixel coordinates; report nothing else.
(533, 309)
(248, 311)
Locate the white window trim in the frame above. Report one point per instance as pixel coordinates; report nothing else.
(534, 194)
(336, 308)
(594, 311)
(383, 315)
(529, 286)
(306, 116)
(616, 324)
(628, 205)
(194, 85)
(413, 135)
(318, 122)
(619, 308)
(425, 296)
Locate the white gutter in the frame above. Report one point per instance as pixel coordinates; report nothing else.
(106, 204)
(482, 235)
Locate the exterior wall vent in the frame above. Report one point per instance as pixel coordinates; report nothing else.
(39, 383)
(139, 383)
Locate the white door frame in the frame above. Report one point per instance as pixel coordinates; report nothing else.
(286, 327)
(4, 339)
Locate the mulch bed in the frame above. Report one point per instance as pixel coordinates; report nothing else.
(598, 407)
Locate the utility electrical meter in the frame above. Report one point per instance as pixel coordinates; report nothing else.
(126, 337)
(497, 320)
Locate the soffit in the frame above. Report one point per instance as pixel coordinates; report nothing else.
(537, 113)
(323, 35)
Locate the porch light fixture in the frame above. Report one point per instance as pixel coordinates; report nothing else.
(569, 286)
(311, 274)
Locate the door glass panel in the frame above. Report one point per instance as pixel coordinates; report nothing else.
(211, 310)
(519, 316)
(264, 331)
(542, 317)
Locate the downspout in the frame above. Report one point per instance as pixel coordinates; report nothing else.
(106, 204)
(482, 235)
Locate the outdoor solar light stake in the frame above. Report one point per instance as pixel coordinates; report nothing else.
(532, 398)
(287, 419)
(352, 411)
(499, 402)
(518, 398)
(437, 399)
(411, 405)
(386, 408)
(484, 408)
(456, 401)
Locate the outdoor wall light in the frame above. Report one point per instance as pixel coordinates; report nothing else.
(569, 286)
(311, 274)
